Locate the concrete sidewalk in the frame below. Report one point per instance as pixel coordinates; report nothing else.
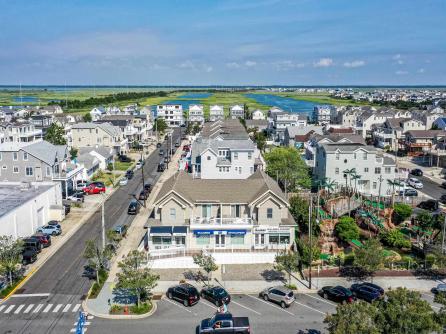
(431, 173)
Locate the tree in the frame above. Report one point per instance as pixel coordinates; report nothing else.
(286, 164)
(109, 166)
(207, 263)
(401, 212)
(404, 311)
(160, 125)
(303, 247)
(395, 238)
(425, 220)
(287, 261)
(97, 258)
(299, 208)
(346, 229)
(73, 153)
(196, 129)
(55, 135)
(354, 318)
(87, 117)
(369, 257)
(10, 255)
(260, 139)
(135, 276)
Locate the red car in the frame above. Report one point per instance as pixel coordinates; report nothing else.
(186, 148)
(94, 188)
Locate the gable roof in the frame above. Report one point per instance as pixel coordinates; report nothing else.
(46, 151)
(107, 127)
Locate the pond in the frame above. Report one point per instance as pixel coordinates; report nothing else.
(25, 99)
(285, 103)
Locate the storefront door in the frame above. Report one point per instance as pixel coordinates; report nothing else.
(220, 240)
(260, 239)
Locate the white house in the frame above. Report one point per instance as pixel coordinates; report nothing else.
(323, 114)
(171, 113)
(96, 113)
(258, 115)
(216, 112)
(237, 111)
(196, 114)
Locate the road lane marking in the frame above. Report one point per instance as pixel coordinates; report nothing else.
(311, 308)
(57, 308)
(181, 307)
(24, 295)
(270, 304)
(47, 308)
(76, 307)
(38, 307)
(320, 299)
(9, 309)
(2, 307)
(246, 307)
(18, 309)
(30, 306)
(66, 308)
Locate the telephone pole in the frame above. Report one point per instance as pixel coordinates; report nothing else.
(310, 211)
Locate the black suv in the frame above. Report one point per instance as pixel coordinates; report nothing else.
(29, 256)
(430, 205)
(133, 208)
(184, 293)
(129, 174)
(124, 158)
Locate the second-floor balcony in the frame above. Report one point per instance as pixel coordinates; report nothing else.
(215, 222)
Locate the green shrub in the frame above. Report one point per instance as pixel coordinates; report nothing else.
(115, 308)
(9, 288)
(96, 288)
(395, 238)
(401, 212)
(291, 286)
(346, 229)
(142, 309)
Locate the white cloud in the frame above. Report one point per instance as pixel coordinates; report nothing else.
(421, 70)
(233, 65)
(208, 68)
(250, 63)
(285, 65)
(398, 59)
(323, 62)
(187, 65)
(401, 72)
(354, 63)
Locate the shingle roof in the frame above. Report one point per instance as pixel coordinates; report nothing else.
(426, 133)
(347, 147)
(221, 190)
(107, 127)
(300, 131)
(46, 151)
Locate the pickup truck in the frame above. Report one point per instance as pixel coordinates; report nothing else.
(225, 323)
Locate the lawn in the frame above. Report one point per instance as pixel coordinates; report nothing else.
(122, 165)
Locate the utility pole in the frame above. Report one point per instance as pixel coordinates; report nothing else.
(103, 222)
(444, 230)
(310, 211)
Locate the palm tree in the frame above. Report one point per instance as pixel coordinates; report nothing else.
(348, 174)
(393, 184)
(329, 185)
(355, 178)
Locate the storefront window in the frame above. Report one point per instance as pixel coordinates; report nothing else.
(237, 239)
(279, 238)
(203, 240)
(284, 239)
(273, 239)
(162, 240)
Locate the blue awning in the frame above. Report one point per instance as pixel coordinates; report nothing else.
(161, 230)
(179, 230)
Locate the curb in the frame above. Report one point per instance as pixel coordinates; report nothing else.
(119, 316)
(18, 286)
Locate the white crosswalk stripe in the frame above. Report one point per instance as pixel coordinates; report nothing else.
(2, 307)
(38, 307)
(30, 306)
(57, 308)
(18, 309)
(75, 308)
(66, 308)
(47, 308)
(9, 309)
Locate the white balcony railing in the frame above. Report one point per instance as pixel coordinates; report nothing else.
(221, 221)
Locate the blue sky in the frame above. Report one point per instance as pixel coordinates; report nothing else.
(300, 42)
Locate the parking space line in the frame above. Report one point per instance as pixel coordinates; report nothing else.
(177, 305)
(246, 307)
(270, 304)
(311, 308)
(320, 299)
(212, 306)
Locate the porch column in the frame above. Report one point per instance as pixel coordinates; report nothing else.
(66, 189)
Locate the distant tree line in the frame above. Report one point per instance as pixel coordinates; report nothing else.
(395, 104)
(109, 99)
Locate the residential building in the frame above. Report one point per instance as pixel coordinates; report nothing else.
(227, 129)
(99, 134)
(282, 120)
(367, 120)
(440, 123)
(20, 132)
(97, 112)
(196, 114)
(237, 111)
(27, 206)
(391, 134)
(323, 114)
(259, 124)
(171, 113)
(296, 136)
(42, 122)
(419, 142)
(216, 113)
(94, 158)
(134, 127)
(199, 214)
(373, 168)
(258, 115)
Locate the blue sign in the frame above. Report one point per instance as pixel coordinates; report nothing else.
(209, 232)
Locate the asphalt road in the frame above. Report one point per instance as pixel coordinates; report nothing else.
(58, 282)
(431, 188)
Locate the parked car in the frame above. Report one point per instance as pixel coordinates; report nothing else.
(442, 199)
(443, 185)
(216, 295)
(166, 159)
(54, 223)
(138, 165)
(225, 323)
(81, 184)
(440, 288)
(172, 151)
(337, 293)
(184, 293)
(77, 196)
(158, 145)
(50, 229)
(365, 292)
(44, 239)
(416, 172)
(374, 286)
(148, 187)
(129, 174)
(142, 196)
(133, 208)
(161, 151)
(186, 148)
(279, 294)
(89, 272)
(123, 181)
(29, 256)
(413, 182)
(124, 158)
(161, 166)
(177, 144)
(121, 230)
(67, 208)
(94, 188)
(409, 193)
(430, 205)
(33, 244)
